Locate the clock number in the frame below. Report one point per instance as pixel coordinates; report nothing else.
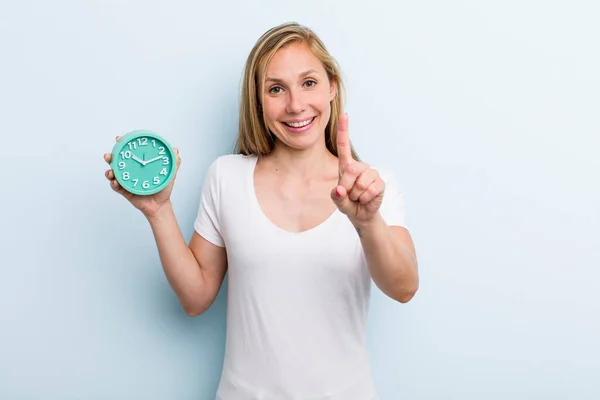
(153, 143)
(156, 180)
(135, 181)
(132, 145)
(142, 141)
(164, 172)
(165, 160)
(126, 154)
(125, 176)
(146, 184)
(121, 164)
(162, 150)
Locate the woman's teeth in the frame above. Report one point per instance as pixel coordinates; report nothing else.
(299, 124)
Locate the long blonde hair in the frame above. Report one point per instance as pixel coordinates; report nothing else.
(254, 137)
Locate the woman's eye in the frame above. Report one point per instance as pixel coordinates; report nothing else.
(310, 83)
(275, 89)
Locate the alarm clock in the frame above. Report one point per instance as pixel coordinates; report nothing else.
(143, 162)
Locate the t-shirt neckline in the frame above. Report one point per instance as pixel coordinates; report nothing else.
(258, 209)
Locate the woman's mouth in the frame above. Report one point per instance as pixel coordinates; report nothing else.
(298, 126)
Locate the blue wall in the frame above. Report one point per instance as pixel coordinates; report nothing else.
(487, 112)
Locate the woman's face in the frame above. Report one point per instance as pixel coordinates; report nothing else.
(297, 97)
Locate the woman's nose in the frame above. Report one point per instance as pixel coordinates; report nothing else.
(296, 103)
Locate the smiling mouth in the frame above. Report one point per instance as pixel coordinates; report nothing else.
(299, 124)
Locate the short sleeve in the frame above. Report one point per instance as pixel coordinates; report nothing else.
(207, 220)
(393, 207)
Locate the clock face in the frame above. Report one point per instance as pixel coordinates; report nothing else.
(143, 163)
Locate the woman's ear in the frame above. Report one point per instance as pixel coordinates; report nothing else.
(332, 90)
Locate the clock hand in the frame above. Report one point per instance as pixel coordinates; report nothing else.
(138, 160)
(154, 159)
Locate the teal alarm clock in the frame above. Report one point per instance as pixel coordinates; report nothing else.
(143, 162)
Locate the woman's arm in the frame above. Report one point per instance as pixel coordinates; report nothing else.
(391, 258)
(195, 273)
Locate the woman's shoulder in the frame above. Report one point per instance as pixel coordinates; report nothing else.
(230, 163)
(229, 168)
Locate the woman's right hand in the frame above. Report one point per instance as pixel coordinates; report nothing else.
(148, 205)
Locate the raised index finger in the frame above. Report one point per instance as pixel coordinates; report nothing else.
(343, 141)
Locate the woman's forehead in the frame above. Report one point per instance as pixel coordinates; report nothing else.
(293, 61)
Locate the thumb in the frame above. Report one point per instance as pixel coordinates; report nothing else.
(339, 195)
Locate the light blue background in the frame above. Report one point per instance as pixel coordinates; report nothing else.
(487, 111)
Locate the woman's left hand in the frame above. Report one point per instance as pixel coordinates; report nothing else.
(360, 189)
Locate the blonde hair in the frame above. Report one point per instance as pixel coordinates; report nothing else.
(254, 137)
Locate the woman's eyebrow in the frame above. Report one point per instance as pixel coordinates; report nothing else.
(302, 75)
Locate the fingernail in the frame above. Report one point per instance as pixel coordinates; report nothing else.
(337, 192)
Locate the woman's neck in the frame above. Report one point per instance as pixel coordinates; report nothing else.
(305, 163)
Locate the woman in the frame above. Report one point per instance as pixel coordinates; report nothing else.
(301, 225)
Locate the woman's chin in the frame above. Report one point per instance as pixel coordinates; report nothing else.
(303, 140)
(303, 143)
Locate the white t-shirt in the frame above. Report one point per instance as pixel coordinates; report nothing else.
(297, 302)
